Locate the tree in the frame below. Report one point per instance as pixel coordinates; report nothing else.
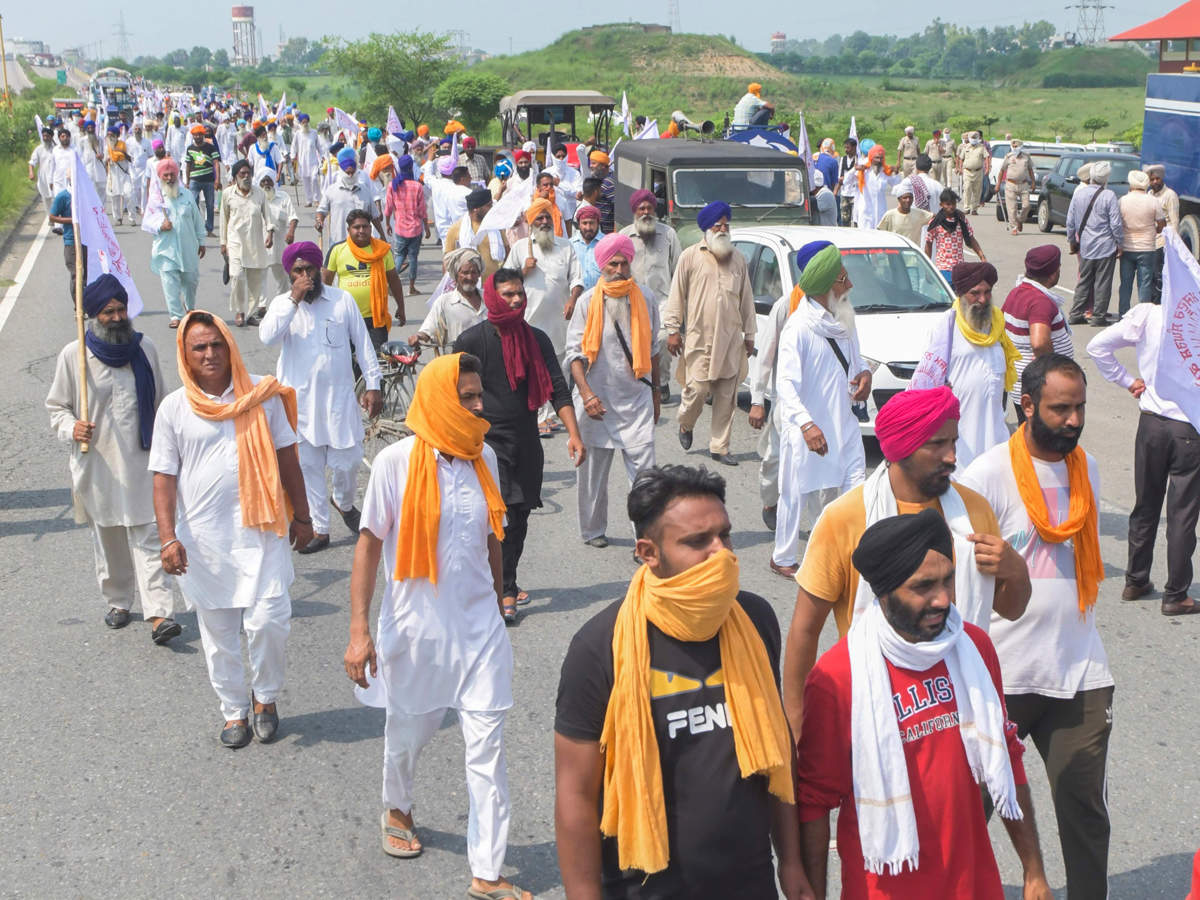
(1094, 124)
(473, 97)
(176, 57)
(199, 57)
(988, 121)
(401, 69)
(296, 88)
(220, 59)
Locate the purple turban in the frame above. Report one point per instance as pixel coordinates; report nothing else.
(611, 245)
(97, 295)
(305, 250)
(641, 196)
(1043, 261)
(711, 214)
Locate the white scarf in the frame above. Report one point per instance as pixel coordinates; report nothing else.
(887, 823)
(824, 323)
(468, 238)
(973, 591)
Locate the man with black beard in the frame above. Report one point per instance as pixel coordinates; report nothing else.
(111, 484)
(1045, 491)
(656, 253)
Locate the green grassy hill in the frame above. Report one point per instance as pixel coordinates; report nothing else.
(1087, 67)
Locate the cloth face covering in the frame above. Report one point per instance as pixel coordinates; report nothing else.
(522, 355)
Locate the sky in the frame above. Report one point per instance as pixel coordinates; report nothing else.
(518, 24)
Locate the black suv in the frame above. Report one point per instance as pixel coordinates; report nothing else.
(1058, 185)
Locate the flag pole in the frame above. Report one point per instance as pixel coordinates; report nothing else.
(79, 276)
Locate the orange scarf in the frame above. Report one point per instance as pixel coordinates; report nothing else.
(260, 492)
(862, 176)
(116, 152)
(555, 213)
(1082, 523)
(441, 424)
(796, 296)
(639, 323)
(374, 256)
(692, 606)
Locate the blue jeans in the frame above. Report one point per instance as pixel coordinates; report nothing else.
(206, 188)
(407, 248)
(1140, 262)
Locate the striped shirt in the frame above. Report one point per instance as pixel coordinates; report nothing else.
(1028, 304)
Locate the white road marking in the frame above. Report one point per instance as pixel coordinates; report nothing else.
(10, 296)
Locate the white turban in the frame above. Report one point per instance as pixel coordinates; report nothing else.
(1138, 181)
(904, 187)
(1101, 170)
(1084, 174)
(818, 180)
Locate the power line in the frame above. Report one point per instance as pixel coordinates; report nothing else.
(1089, 27)
(122, 34)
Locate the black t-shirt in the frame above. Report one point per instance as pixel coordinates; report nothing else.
(718, 823)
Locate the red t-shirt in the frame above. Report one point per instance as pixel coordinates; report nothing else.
(956, 859)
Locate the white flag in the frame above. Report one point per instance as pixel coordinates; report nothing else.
(94, 231)
(281, 108)
(347, 123)
(853, 130)
(805, 149)
(394, 125)
(1178, 373)
(649, 131)
(37, 120)
(625, 118)
(263, 110)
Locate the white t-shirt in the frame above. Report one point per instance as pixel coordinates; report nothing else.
(1051, 650)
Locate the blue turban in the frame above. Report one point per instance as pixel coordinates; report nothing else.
(374, 134)
(407, 136)
(808, 251)
(404, 171)
(336, 147)
(96, 296)
(709, 216)
(302, 117)
(504, 168)
(346, 158)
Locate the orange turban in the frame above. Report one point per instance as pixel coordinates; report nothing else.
(754, 88)
(598, 156)
(381, 163)
(454, 127)
(876, 153)
(422, 130)
(537, 207)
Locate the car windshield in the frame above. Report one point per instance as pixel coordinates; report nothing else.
(1121, 169)
(891, 279)
(739, 187)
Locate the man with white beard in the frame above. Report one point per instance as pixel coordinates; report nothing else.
(348, 190)
(970, 350)
(284, 219)
(179, 243)
(710, 292)
(553, 276)
(246, 238)
(818, 374)
(656, 253)
(878, 180)
(456, 310)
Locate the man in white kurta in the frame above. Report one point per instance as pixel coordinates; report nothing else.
(247, 236)
(818, 372)
(656, 250)
(64, 162)
(877, 184)
(449, 199)
(616, 408)
(235, 577)
(553, 276)
(969, 349)
(762, 389)
(440, 645)
(41, 168)
(454, 311)
(284, 220)
(110, 486)
(314, 326)
(307, 153)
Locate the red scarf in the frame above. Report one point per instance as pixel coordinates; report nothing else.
(522, 355)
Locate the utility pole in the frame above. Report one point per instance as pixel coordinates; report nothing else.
(4, 65)
(1089, 27)
(673, 17)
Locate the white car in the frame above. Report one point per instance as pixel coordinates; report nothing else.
(898, 295)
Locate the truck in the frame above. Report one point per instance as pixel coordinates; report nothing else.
(1170, 136)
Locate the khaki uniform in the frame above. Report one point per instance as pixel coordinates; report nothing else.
(974, 163)
(908, 150)
(947, 161)
(1017, 170)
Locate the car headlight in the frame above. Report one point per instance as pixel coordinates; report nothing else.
(872, 364)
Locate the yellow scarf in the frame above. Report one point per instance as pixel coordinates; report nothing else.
(1082, 524)
(639, 323)
(442, 424)
(691, 606)
(264, 503)
(997, 333)
(375, 257)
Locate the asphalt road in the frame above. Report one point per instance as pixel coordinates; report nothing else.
(112, 781)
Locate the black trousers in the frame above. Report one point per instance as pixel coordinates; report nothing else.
(69, 258)
(1093, 290)
(1159, 259)
(1166, 464)
(513, 545)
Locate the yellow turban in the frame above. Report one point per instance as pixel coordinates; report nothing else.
(755, 88)
(537, 207)
(598, 156)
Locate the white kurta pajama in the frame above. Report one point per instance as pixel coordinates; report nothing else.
(307, 154)
(762, 389)
(812, 386)
(43, 161)
(283, 213)
(111, 489)
(443, 647)
(628, 423)
(339, 197)
(873, 203)
(548, 287)
(245, 224)
(237, 578)
(314, 342)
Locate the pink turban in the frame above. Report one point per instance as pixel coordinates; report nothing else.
(305, 250)
(641, 196)
(910, 418)
(610, 246)
(587, 212)
(166, 165)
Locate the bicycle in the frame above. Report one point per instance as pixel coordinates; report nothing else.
(398, 364)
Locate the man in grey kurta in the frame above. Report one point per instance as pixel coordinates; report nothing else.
(711, 294)
(616, 406)
(111, 487)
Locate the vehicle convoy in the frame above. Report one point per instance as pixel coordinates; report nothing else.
(762, 186)
(1170, 135)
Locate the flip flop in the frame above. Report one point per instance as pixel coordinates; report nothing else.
(404, 834)
(504, 893)
(522, 598)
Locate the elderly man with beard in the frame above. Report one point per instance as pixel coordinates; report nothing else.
(247, 235)
(348, 190)
(314, 326)
(905, 724)
(916, 431)
(543, 188)
(612, 354)
(818, 374)
(228, 498)
(711, 294)
(284, 220)
(521, 374)
(465, 233)
(584, 243)
(110, 484)
(458, 309)
(1045, 490)
(656, 254)
(969, 348)
(178, 244)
